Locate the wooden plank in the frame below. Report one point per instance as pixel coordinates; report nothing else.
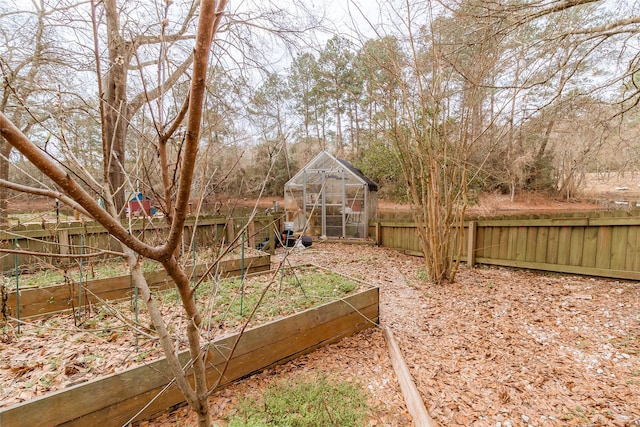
(496, 233)
(481, 241)
(571, 269)
(548, 222)
(635, 249)
(560, 222)
(512, 242)
(504, 243)
(412, 397)
(631, 247)
(395, 224)
(532, 242)
(112, 400)
(603, 247)
(627, 221)
(522, 237)
(619, 239)
(589, 247)
(471, 244)
(576, 245)
(552, 245)
(63, 240)
(415, 237)
(564, 245)
(541, 244)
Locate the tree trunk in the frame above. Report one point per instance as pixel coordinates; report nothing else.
(339, 128)
(115, 97)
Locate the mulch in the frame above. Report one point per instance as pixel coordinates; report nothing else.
(498, 347)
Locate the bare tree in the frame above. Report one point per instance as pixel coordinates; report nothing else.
(435, 125)
(25, 56)
(118, 109)
(72, 192)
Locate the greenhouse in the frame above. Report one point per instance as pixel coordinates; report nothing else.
(330, 197)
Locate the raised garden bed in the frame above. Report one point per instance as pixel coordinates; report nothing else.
(313, 318)
(42, 300)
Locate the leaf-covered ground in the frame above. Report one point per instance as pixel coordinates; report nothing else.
(58, 351)
(497, 348)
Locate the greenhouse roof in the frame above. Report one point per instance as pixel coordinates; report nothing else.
(328, 162)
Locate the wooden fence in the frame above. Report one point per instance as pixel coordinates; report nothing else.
(605, 244)
(76, 237)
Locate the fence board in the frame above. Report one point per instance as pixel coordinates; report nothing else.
(521, 245)
(541, 244)
(633, 260)
(564, 244)
(532, 242)
(576, 245)
(495, 241)
(619, 239)
(603, 248)
(552, 245)
(483, 242)
(512, 233)
(503, 246)
(603, 244)
(590, 247)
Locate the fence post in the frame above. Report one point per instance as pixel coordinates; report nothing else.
(63, 240)
(378, 237)
(231, 230)
(273, 230)
(251, 231)
(471, 244)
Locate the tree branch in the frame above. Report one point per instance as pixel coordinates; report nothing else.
(21, 143)
(43, 192)
(196, 101)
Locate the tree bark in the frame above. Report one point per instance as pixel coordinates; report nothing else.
(116, 111)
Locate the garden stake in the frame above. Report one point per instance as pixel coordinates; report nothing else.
(193, 252)
(80, 282)
(242, 270)
(15, 257)
(135, 304)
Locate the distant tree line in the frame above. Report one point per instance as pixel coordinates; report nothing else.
(539, 91)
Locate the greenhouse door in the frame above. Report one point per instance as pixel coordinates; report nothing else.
(333, 204)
